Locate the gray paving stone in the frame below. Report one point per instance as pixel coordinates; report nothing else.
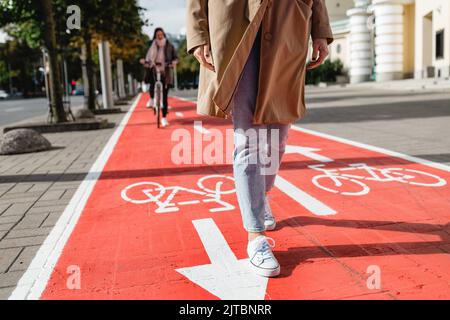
(3, 208)
(51, 220)
(31, 221)
(17, 209)
(7, 257)
(21, 188)
(21, 197)
(24, 259)
(21, 242)
(40, 187)
(9, 219)
(5, 293)
(68, 193)
(23, 233)
(6, 226)
(10, 279)
(48, 209)
(5, 187)
(50, 203)
(52, 195)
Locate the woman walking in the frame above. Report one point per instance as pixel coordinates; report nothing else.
(253, 63)
(161, 57)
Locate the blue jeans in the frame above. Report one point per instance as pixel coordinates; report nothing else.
(258, 148)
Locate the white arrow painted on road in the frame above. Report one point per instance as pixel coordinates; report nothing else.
(226, 277)
(308, 152)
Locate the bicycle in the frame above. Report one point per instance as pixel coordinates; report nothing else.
(211, 189)
(159, 93)
(159, 96)
(338, 181)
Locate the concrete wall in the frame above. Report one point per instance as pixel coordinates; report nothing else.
(344, 55)
(409, 41)
(431, 16)
(337, 8)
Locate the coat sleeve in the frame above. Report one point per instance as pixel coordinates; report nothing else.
(321, 28)
(197, 28)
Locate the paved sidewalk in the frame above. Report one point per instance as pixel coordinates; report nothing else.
(413, 123)
(34, 191)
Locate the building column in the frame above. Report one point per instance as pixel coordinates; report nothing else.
(389, 39)
(360, 43)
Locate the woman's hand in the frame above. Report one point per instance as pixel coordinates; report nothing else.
(203, 55)
(142, 61)
(319, 54)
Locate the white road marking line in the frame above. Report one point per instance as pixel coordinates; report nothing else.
(428, 163)
(308, 152)
(304, 199)
(186, 99)
(35, 279)
(226, 277)
(184, 203)
(14, 109)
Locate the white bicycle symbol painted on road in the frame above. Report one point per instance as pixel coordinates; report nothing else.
(338, 182)
(211, 189)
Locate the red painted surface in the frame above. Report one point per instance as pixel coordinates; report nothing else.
(127, 251)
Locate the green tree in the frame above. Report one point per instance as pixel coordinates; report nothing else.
(327, 72)
(39, 17)
(119, 22)
(188, 67)
(43, 23)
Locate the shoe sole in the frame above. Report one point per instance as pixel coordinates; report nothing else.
(271, 227)
(266, 273)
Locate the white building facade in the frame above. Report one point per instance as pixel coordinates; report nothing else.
(391, 39)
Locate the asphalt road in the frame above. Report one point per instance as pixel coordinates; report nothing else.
(12, 111)
(411, 122)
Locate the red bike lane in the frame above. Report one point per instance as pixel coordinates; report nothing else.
(152, 229)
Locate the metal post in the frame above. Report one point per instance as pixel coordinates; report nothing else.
(121, 79)
(67, 86)
(105, 70)
(47, 84)
(175, 77)
(85, 75)
(10, 80)
(130, 85)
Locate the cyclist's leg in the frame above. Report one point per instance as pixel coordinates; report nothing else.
(151, 90)
(165, 100)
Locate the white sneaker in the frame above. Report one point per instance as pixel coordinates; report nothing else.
(269, 220)
(262, 261)
(164, 122)
(151, 103)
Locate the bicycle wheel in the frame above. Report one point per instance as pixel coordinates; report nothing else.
(217, 184)
(344, 186)
(414, 177)
(143, 192)
(158, 103)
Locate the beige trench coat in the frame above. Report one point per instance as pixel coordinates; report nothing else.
(230, 28)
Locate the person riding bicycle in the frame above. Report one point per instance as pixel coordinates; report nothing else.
(161, 57)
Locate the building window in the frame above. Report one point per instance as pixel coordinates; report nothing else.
(440, 44)
(338, 48)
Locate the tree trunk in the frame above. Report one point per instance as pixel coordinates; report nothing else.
(56, 93)
(90, 71)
